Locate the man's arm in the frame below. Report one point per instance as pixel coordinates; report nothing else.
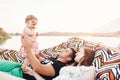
(39, 57)
(47, 70)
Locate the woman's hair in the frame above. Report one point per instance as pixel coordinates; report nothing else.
(72, 57)
(29, 17)
(87, 58)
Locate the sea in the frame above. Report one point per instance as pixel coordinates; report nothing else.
(50, 41)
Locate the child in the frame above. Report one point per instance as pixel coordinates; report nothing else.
(31, 32)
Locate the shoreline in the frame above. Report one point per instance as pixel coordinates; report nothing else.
(110, 34)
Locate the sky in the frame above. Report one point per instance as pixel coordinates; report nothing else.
(61, 15)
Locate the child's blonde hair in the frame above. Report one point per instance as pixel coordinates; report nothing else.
(29, 17)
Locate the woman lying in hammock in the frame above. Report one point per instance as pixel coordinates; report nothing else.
(84, 69)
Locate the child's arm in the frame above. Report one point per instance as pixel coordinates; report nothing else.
(37, 34)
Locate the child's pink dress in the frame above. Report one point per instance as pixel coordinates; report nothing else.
(31, 35)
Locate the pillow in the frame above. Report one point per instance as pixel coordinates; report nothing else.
(53, 51)
(12, 55)
(111, 72)
(74, 42)
(107, 65)
(100, 57)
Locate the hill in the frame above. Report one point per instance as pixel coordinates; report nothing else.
(3, 36)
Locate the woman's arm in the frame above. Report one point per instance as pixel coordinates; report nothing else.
(31, 72)
(89, 74)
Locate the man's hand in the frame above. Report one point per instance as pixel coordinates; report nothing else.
(27, 70)
(26, 43)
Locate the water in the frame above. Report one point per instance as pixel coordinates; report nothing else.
(50, 41)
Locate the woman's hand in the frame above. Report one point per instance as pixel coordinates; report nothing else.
(31, 72)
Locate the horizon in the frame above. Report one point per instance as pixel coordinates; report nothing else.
(61, 15)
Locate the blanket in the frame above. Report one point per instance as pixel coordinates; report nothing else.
(12, 68)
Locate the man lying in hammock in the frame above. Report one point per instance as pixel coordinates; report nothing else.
(47, 69)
